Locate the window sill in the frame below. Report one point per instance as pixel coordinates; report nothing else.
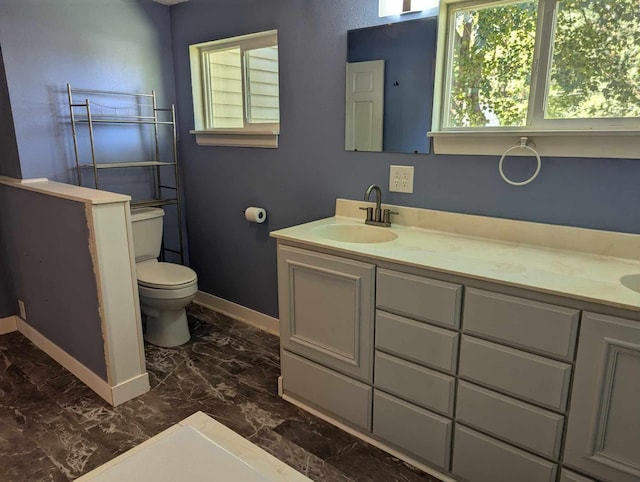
(559, 143)
(230, 138)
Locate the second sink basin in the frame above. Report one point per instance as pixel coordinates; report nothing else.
(355, 233)
(631, 281)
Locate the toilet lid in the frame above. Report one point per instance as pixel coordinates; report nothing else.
(164, 275)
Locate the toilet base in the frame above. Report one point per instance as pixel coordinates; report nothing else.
(166, 328)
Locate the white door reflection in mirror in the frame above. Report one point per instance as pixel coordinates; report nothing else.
(364, 106)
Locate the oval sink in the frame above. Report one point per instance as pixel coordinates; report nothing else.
(355, 233)
(631, 281)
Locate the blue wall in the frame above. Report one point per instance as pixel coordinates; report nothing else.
(9, 166)
(300, 180)
(53, 272)
(9, 161)
(118, 45)
(127, 45)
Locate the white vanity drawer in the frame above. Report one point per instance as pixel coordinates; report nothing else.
(428, 388)
(516, 422)
(418, 432)
(416, 341)
(479, 458)
(524, 375)
(421, 298)
(318, 386)
(523, 323)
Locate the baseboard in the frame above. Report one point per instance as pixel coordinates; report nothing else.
(8, 324)
(370, 440)
(130, 389)
(239, 312)
(112, 395)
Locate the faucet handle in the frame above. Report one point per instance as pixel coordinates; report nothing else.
(386, 215)
(369, 213)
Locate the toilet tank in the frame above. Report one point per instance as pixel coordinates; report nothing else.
(147, 232)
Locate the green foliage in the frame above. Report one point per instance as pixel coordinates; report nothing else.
(493, 54)
(596, 61)
(595, 71)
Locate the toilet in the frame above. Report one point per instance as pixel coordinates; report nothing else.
(165, 288)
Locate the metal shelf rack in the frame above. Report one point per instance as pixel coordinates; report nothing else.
(130, 108)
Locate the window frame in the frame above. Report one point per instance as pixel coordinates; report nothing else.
(550, 137)
(251, 134)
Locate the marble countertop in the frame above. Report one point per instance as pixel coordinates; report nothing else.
(577, 263)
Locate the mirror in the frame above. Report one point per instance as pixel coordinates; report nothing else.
(389, 96)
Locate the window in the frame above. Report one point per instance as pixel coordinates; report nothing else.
(564, 72)
(235, 86)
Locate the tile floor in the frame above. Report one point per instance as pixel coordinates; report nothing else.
(52, 427)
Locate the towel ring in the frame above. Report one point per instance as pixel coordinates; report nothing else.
(522, 145)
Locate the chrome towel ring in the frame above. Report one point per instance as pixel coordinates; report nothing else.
(522, 145)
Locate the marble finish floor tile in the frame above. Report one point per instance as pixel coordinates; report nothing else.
(52, 427)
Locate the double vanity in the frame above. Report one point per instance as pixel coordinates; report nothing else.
(475, 348)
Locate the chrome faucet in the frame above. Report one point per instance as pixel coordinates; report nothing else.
(377, 216)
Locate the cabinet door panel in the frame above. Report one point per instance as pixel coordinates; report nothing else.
(419, 432)
(478, 458)
(421, 298)
(428, 388)
(516, 422)
(520, 322)
(524, 375)
(603, 436)
(332, 392)
(326, 310)
(417, 341)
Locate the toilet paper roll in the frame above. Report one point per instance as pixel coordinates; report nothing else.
(255, 215)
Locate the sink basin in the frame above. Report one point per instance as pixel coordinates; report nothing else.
(355, 233)
(631, 281)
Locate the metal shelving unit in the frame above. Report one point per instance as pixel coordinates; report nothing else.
(129, 108)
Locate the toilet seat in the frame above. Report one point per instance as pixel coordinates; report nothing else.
(165, 276)
(168, 294)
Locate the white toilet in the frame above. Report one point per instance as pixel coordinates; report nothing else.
(165, 288)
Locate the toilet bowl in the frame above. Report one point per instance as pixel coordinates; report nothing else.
(165, 289)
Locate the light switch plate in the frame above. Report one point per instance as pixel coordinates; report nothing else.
(401, 179)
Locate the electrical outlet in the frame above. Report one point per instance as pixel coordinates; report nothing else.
(23, 311)
(401, 179)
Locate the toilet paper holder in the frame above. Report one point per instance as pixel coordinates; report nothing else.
(255, 214)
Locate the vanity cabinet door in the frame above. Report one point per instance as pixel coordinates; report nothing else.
(327, 310)
(603, 435)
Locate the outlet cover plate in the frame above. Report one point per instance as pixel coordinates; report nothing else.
(401, 179)
(23, 311)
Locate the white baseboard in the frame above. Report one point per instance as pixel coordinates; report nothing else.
(239, 312)
(113, 395)
(366, 438)
(8, 324)
(132, 388)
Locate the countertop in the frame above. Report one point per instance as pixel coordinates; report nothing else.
(578, 263)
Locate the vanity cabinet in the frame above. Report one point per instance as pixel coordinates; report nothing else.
(481, 385)
(603, 436)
